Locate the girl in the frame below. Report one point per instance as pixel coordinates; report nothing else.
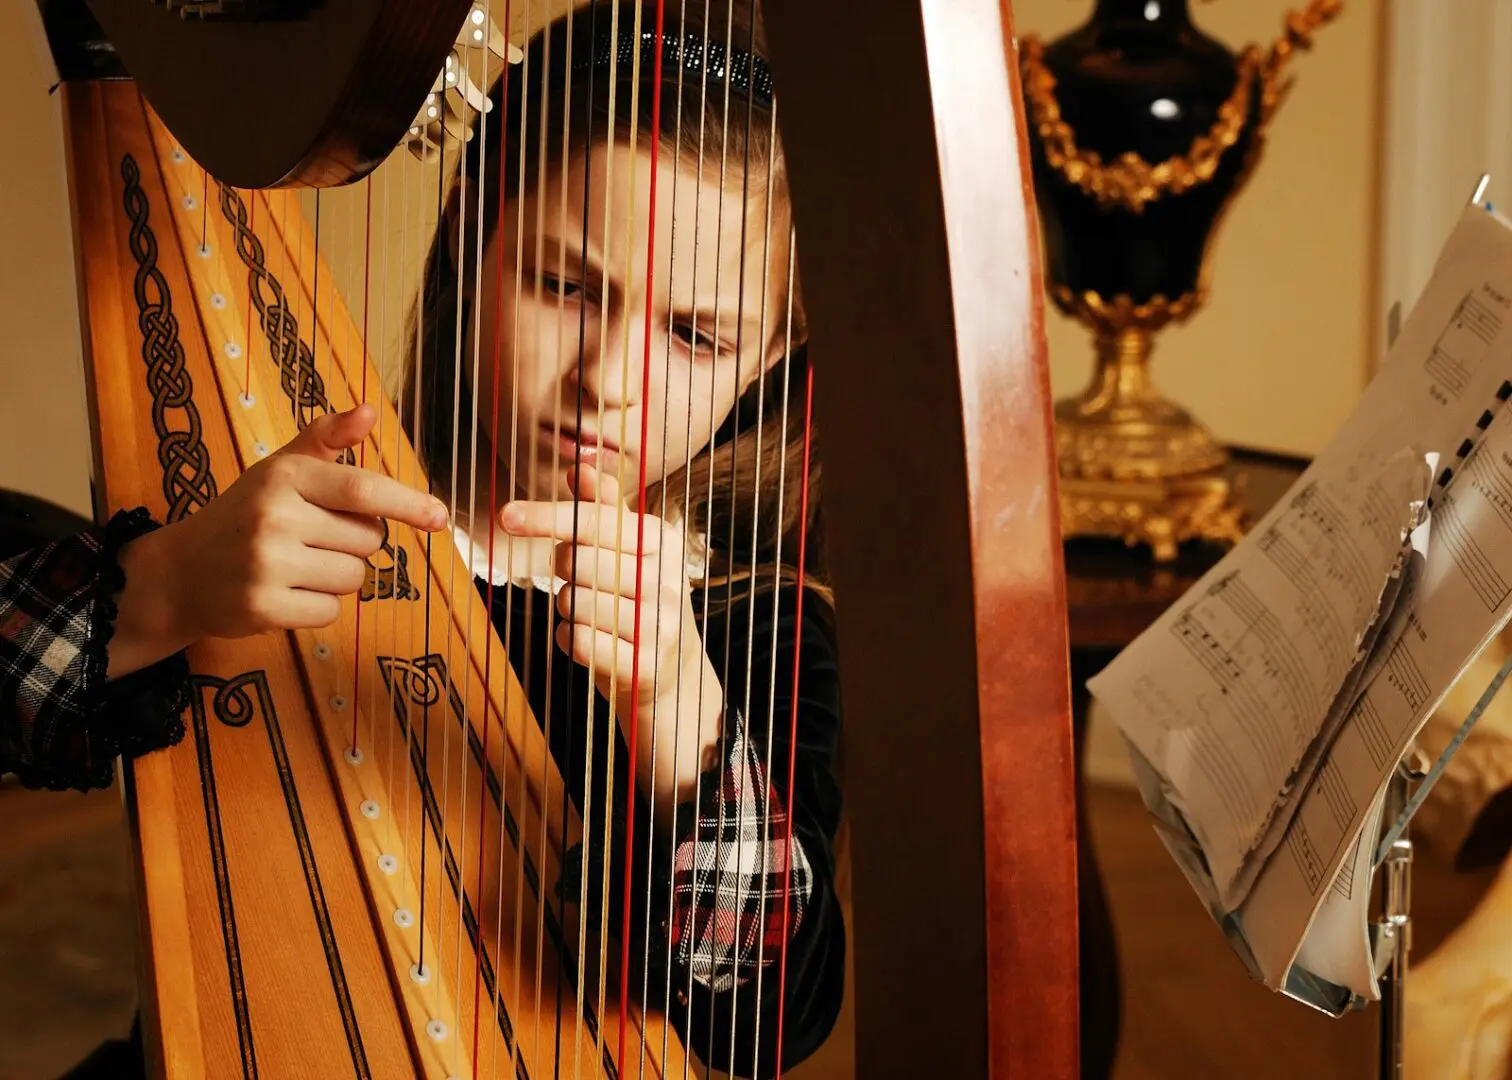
(567, 421)
(566, 295)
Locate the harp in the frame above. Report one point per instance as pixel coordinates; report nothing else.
(365, 857)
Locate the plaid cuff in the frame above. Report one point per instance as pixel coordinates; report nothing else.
(735, 903)
(61, 724)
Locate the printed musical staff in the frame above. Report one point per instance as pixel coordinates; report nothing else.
(1305, 855)
(1404, 675)
(1239, 641)
(1379, 516)
(1451, 373)
(1235, 788)
(1476, 566)
(1336, 795)
(1228, 675)
(1324, 534)
(1462, 344)
(1344, 882)
(1322, 618)
(1486, 477)
(1372, 732)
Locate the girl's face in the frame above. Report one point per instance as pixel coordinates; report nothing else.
(578, 338)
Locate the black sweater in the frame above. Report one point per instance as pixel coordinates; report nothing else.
(751, 642)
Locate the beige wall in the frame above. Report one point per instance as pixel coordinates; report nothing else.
(1275, 361)
(44, 439)
(1283, 349)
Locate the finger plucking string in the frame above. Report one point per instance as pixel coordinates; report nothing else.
(600, 610)
(593, 567)
(361, 535)
(329, 572)
(597, 525)
(608, 655)
(342, 488)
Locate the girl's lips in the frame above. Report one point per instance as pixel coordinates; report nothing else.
(589, 450)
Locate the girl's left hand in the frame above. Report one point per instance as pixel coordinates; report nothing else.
(598, 561)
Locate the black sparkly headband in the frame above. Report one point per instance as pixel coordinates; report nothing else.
(745, 73)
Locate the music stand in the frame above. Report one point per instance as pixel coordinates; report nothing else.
(1392, 934)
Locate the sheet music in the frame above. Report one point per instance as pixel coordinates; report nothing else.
(1337, 946)
(1463, 343)
(1463, 601)
(1232, 694)
(1226, 696)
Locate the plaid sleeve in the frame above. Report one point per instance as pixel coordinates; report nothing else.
(62, 725)
(734, 900)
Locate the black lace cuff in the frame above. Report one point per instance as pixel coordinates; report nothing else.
(143, 711)
(62, 724)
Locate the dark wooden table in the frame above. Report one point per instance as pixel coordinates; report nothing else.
(1113, 594)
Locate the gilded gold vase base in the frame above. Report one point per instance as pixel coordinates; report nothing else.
(1136, 467)
(1158, 514)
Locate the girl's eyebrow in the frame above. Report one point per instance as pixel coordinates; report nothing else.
(734, 317)
(731, 321)
(568, 254)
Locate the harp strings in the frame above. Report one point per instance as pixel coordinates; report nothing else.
(422, 448)
(523, 845)
(251, 224)
(802, 585)
(392, 720)
(724, 672)
(314, 314)
(770, 764)
(589, 702)
(626, 397)
(661, 568)
(750, 672)
(459, 260)
(421, 974)
(578, 388)
(421, 473)
(464, 76)
(486, 431)
(698, 248)
(367, 265)
(492, 532)
(527, 644)
(632, 741)
(543, 135)
(747, 672)
(205, 212)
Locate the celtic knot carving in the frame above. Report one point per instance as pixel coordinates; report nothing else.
(390, 582)
(420, 682)
(236, 700)
(300, 382)
(188, 482)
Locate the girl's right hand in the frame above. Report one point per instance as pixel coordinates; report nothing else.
(276, 551)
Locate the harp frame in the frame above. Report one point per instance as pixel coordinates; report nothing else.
(888, 126)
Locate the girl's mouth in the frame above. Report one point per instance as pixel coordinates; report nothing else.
(575, 445)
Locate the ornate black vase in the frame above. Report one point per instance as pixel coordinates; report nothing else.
(1144, 129)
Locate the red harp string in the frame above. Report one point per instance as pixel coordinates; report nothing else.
(640, 546)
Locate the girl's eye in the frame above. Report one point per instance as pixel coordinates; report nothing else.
(551, 283)
(695, 339)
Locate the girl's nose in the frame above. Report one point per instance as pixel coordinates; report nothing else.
(610, 366)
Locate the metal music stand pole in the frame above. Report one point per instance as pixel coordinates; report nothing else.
(1394, 931)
